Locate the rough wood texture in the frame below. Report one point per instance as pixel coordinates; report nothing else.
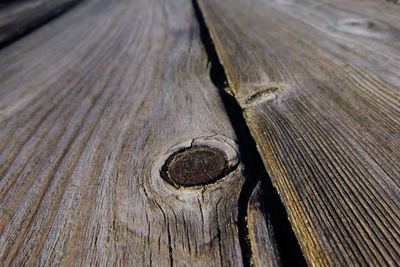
(261, 234)
(91, 107)
(19, 16)
(319, 85)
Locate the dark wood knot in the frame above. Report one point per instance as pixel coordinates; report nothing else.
(354, 25)
(263, 94)
(196, 165)
(359, 23)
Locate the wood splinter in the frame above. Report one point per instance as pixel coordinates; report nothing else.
(195, 166)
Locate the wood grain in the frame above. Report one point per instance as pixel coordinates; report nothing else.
(20, 16)
(261, 233)
(92, 105)
(319, 86)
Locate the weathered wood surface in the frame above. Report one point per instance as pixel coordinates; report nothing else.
(319, 86)
(91, 107)
(262, 237)
(20, 16)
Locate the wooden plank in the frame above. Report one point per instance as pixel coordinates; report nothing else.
(20, 16)
(319, 86)
(92, 108)
(261, 233)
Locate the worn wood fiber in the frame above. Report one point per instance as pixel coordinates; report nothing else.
(92, 106)
(19, 16)
(261, 233)
(319, 86)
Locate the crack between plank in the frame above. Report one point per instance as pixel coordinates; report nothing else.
(254, 170)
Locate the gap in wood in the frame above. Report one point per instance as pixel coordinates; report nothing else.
(287, 243)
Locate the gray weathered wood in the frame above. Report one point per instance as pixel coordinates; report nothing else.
(92, 105)
(261, 234)
(18, 17)
(319, 86)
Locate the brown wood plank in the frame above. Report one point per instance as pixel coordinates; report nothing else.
(20, 16)
(91, 108)
(319, 86)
